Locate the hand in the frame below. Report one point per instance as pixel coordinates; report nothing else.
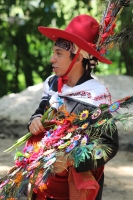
(36, 126)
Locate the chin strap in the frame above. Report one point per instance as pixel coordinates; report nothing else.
(63, 79)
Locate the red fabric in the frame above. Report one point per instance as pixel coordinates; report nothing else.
(35, 138)
(82, 30)
(63, 79)
(81, 186)
(97, 173)
(57, 187)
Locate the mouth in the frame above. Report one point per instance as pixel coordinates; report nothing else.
(54, 68)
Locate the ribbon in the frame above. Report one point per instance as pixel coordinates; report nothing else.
(63, 79)
(84, 185)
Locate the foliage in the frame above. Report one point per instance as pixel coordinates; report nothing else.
(25, 53)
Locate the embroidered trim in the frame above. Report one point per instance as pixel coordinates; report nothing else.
(81, 93)
(97, 98)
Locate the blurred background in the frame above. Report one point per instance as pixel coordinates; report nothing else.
(25, 53)
(24, 65)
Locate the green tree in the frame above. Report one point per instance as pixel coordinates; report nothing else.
(126, 58)
(24, 52)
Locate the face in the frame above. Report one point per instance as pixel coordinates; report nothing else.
(60, 61)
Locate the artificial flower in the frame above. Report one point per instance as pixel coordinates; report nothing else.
(84, 114)
(18, 178)
(96, 114)
(84, 126)
(115, 106)
(42, 187)
(84, 140)
(66, 133)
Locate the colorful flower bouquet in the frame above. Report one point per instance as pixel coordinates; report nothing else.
(74, 136)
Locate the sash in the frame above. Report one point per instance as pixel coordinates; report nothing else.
(81, 186)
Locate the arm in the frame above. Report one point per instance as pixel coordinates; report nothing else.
(40, 110)
(35, 125)
(105, 138)
(111, 142)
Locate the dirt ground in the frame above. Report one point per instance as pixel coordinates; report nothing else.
(118, 172)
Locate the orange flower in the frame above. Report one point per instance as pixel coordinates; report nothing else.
(72, 129)
(42, 187)
(36, 146)
(31, 180)
(63, 110)
(18, 178)
(71, 117)
(102, 122)
(60, 122)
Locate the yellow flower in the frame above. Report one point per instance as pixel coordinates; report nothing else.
(84, 114)
(84, 126)
(36, 147)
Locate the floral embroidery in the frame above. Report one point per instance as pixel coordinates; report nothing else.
(84, 114)
(115, 106)
(96, 114)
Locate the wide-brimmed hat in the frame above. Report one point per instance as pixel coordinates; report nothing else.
(82, 30)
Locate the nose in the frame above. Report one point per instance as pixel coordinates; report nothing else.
(52, 59)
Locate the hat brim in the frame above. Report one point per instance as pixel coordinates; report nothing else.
(54, 34)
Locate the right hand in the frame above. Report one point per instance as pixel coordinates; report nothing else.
(36, 126)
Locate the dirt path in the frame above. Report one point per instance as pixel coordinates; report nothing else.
(119, 177)
(118, 172)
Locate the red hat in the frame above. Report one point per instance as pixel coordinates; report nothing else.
(82, 30)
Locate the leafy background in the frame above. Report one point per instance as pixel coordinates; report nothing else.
(25, 53)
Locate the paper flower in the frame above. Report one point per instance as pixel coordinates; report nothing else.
(75, 138)
(50, 162)
(67, 136)
(71, 146)
(84, 126)
(84, 141)
(115, 106)
(96, 114)
(84, 114)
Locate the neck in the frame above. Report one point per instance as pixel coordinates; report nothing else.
(74, 76)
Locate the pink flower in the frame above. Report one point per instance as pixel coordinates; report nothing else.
(22, 163)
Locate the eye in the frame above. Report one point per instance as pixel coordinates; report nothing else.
(59, 53)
